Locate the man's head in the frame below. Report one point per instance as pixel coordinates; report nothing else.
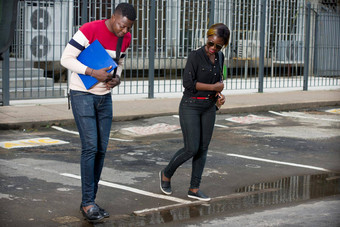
(122, 19)
(126, 10)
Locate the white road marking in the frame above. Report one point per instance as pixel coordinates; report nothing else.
(217, 125)
(279, 162)
(304, 117)
(157, 209)
(123, 140)
(221, 126)
(149, 130)
(335, 111)
(250, 119)
(65, 130)
(77, 133)
(134, 190)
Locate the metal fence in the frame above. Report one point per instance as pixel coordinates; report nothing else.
(274, 43)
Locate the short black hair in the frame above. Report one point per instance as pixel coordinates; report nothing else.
(126, 10)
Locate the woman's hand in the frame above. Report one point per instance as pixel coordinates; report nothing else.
(221, 100)
(218, 87)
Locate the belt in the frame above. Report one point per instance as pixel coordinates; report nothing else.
(209, 97)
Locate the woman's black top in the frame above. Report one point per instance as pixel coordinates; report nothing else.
(199, 68)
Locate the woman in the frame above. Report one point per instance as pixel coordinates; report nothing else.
(203, 85)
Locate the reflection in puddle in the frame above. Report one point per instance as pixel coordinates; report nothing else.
(286, 190)
(300, 187)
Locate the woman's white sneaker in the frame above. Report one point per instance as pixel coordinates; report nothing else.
(164, 185)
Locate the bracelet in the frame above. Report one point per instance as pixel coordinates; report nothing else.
(91, 72)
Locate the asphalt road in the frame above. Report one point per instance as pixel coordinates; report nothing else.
(260, 160)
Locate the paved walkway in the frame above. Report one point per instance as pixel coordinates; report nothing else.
(42, 112)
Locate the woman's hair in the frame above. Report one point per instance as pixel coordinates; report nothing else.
(220, 30)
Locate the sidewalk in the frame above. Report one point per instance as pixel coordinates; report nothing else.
(55, 111)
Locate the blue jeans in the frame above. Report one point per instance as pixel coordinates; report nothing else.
(197, 119)
(93, 116)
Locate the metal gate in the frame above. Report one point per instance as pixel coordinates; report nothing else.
(274, 44)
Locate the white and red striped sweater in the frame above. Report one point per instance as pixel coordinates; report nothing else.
(87, 34)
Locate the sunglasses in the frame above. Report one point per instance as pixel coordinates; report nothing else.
(217, 46)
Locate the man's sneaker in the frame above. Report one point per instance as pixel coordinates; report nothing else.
(198, 195)
(164, 185)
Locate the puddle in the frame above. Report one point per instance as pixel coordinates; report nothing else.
(297, 188)
(286, 190)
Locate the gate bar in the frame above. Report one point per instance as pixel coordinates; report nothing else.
(5, 78)
(262, 44)
(307, 44)
(152, 49)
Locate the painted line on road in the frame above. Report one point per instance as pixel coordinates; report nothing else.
(65, 130)
(217, 125)
(335, 111)
(279, 162)
(77, 133)
(134, 190)
(304, 117)
(158, 209)
(33, 142)
(221, 126)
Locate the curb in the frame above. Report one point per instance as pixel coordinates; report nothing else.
(225, 110)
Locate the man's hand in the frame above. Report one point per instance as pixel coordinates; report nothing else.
(101, 74)
(112, 82)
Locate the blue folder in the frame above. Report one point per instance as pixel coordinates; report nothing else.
(95, 57)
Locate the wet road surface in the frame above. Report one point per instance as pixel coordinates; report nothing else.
(255, 161)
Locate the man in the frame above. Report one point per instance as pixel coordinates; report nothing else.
(92, 109)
